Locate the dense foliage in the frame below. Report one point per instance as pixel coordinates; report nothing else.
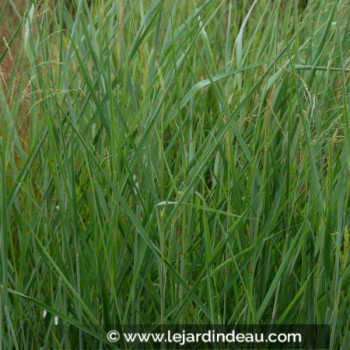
(173, 162)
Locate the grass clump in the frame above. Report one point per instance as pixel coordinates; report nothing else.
(185, 162)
